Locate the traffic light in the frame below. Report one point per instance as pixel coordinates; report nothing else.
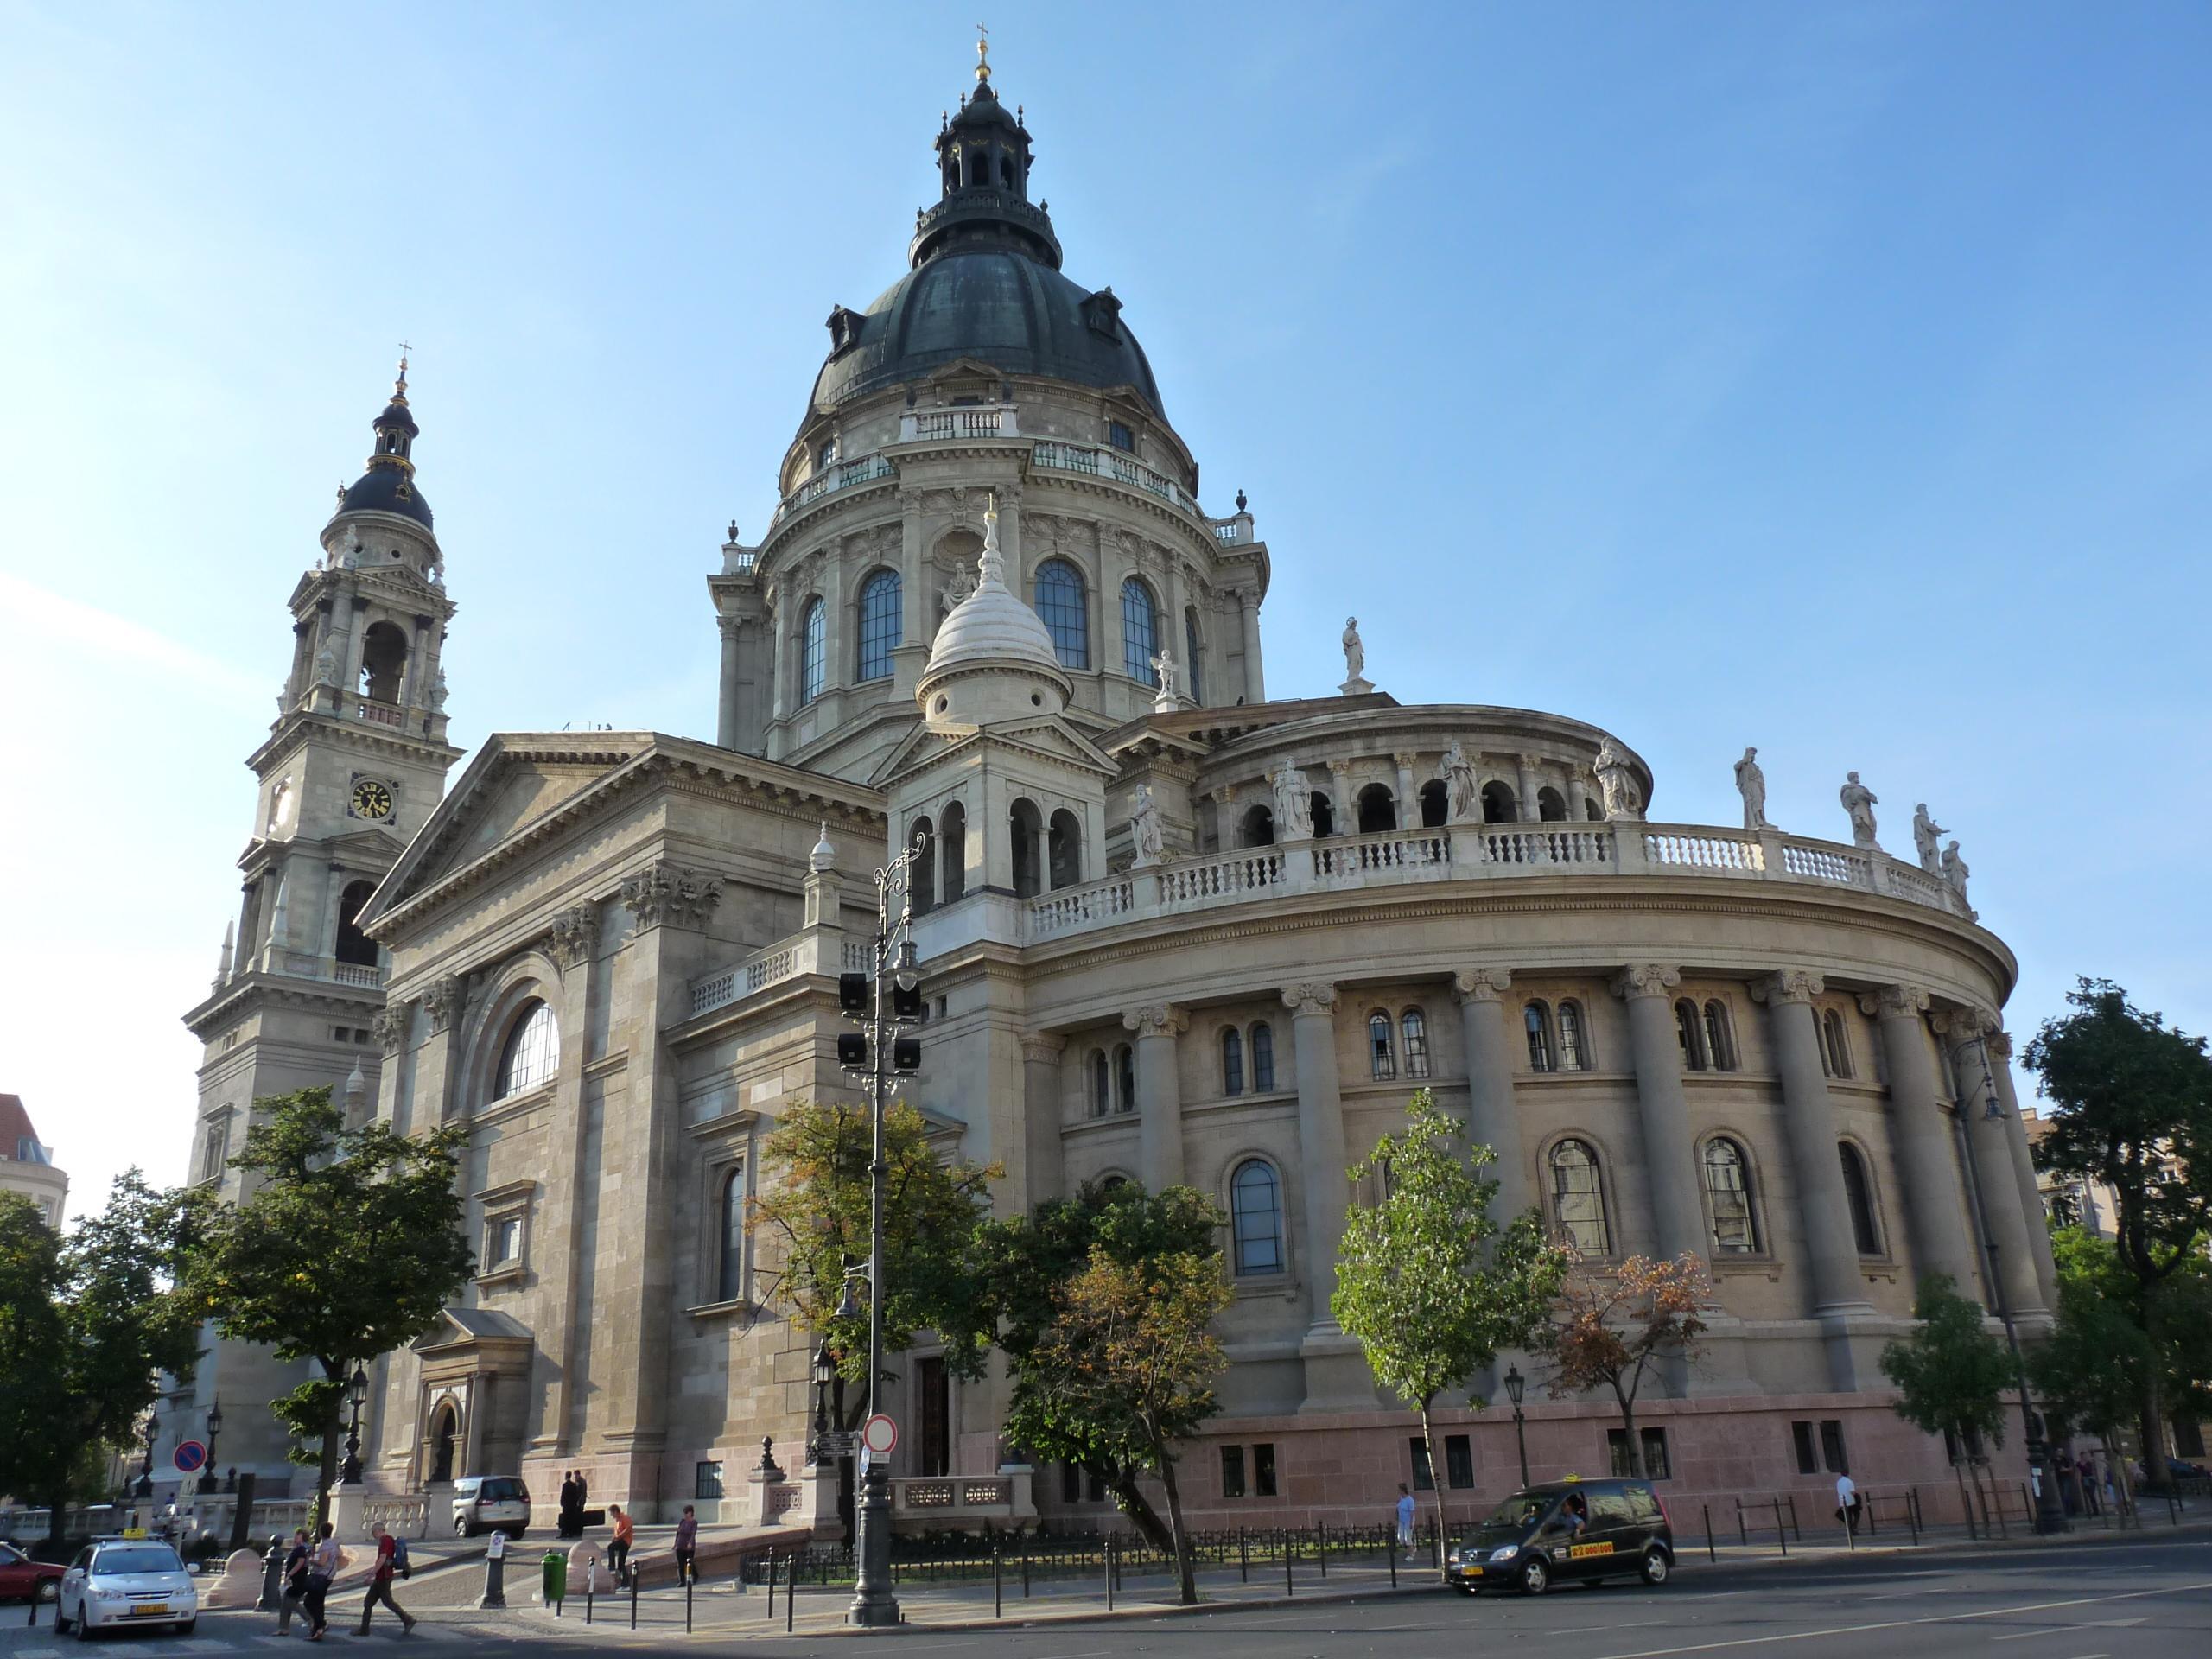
(852, 992)
(905, 1055)
(906, 1002)
(852, 1051)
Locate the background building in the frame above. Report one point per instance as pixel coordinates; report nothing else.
(27, 1165)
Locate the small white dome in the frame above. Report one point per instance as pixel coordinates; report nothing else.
(992, 625)
(824, 856)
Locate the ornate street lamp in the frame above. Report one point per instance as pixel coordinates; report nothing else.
(825, 1372)
(204, 1482)
(357, 1393)
(1515, 1382)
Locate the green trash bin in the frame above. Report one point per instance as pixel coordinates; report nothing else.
(557, 1578)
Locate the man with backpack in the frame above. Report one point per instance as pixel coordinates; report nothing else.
(380, 1578)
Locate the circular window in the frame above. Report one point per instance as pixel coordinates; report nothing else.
(1036, 700)
(943, 704)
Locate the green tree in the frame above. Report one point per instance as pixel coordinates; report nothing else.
(1613, 1326)
(1427, 1280)
(2131, 1100)
(1050, 1282)
(86, 1325)
(346, 1246)
(1951, 1373)
(815, 1211)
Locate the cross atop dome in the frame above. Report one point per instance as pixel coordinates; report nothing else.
(983, 53)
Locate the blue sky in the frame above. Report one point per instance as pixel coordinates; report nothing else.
(1835, 379)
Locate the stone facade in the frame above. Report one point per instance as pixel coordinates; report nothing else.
(27, 1166)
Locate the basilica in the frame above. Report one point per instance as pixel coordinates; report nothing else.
(1168, 929)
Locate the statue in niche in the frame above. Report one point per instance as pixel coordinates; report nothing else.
(1355, 652)
(1616, 782)
(1750, 784)
(957, 592)
(436, 701)
(1293, 802)
(1144, 828)
(1163, 669)
(1955, 872)
(326, 665)
(1859, 802)
(1467, 792)
(1925, 832)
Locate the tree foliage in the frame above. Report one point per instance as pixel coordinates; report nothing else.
(2116, 1338)
(86, 1324)
(1612, 1327)
(346, 1244)
(816, 1211)
(1427, 1280)
(1951, 1373)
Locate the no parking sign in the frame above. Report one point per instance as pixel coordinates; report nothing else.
(190, 1456)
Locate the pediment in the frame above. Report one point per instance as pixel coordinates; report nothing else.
(372, 845)
(1048, 738)
(466, 1327)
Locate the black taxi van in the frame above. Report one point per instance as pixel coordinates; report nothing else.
(1566, 1531)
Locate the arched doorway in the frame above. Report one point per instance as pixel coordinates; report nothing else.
(445, 1428)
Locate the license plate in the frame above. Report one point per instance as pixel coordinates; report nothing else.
(150, 1610)
(1471, 1572)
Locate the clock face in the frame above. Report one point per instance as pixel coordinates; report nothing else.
(370, 800)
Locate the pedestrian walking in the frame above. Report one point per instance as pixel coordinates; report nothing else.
(618, 1552)
(294, 1584)
(322, 1567)
(2085, 1471)
(380, 1580)
(687, 1545)
(1848, 1502)
(1405, 1521)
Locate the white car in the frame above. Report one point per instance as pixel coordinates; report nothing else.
(119, 1581)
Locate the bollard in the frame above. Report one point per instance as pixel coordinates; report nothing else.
(1743, 1532)
(1781, 1537)
(591, 1587)
(633, 1601)
(1796, 1531)
(272, 1577)
(771, 1586)
(1025, 1569)
(1912, 1512)
(1243, 1558)
(1393, 1563)
(2173, 1510)
(1711, 1553)
(495, 1573)
(1289, 1582)
(33, 1620)
(1321, 1548)
(1850, 1539)
(687, 1603)
(790, 1591)
(998, 1596)
(1107, 1556)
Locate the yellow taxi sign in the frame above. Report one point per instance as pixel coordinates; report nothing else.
(134, 1532)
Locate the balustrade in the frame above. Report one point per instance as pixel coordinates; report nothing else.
(1111, 463)
(1814, 862)
(842, 476)
(1558, 843)
(803, 953)
(1711, 849)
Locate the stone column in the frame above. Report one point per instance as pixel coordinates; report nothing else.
(1256, 690)
(1160, 1096)
(2023, 1169)
(1408, 802)
(1809, 1120)
(1578, 797)
(1662, 1110)
(1337, 1375)
(1527, 765)
(1491, 1118)
(1043, 1103)
(1989, 1143)
(574, 944)
(1919, 1138)
(727, 726)
(472, 1434)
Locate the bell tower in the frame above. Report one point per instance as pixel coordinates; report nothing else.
(353, 764)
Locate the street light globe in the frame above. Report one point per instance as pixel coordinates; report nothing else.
(1515, 1382)
(908, 973)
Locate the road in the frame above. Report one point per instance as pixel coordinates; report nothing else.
(2091, 1600)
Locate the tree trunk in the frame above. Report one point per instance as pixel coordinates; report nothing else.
(1435, 1478)
(1628, 1428)
(327, 1471)
(1186, 1576)
(2150, 1431)
(1122, 1483)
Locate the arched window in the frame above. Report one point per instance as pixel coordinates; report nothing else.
(1061, 605)
(1063, 850)
(1263, 1058)
(1413, 1026)
(1325, 813)
(532, 1051)
(1140, 632)
(1536, 1020)
(1125, 1079)
(729, 1268)
(952, 841)
(1719, 1038)
(1838, 1046)
(354, 947)
(1498, 806)
(1255, 1215)
(1728, 1190)
(1573, 1041)
(1377, 811)
(1026, 827)
(1232, 1061)
(1006, 172)
(1194, 657)
(1592, 808)
(880, 624)
(979, 168)
(384, 661)
(1858, 1198)
(810, 664)
(1436, 804)
(1551, 805)
(1692, 1035)
(1579, 1197)
(923, 870)
(1257, 828)
(1381, 1064)
(1101, 1086)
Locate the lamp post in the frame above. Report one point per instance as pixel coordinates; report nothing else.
(214, 1435)
(2050, 1508)
(146, 1469)
(862, 997)
(1514, 1384)
(818, 1445)
(357, 1392)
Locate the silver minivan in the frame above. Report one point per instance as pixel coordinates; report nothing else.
(490, 1502)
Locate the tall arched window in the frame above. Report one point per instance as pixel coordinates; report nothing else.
(1125, 1079)
(1551, 805)
(1194, 659)
(1263, 1058)
(1858, 1198)
(1063, 850)
(729, 1268)
(1691, 1035)
(1101, 1086)
(1255, 1215)
(923, 869)
(1378, 813)
(1579, 1197)
(1065, 613)
(1573, 1041)
(1325, 813)
(1728, 1189)
(880, 624)
(1140, 632)
(1719, 1037)
(1232, 1061)
(1436, 804)
(1382, 1063)
(1499, 804)
(1413, 1026)
(532, 1052)
(952, 841)
(1838, 1046)
(1026, 829)
(354, 947)
(1535, 1022)
(1258, 827)
(811, 665)
(384, 661)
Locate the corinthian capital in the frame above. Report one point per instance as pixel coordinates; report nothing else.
(1042, 1048)
(1894, 1001)
(1646, 979)
(664, 892)
(575, 931)
(1480, 984)
(1318, 997)
(1963, 1025)
(1791, 985)
(1159, 1019)
(2000, 1043)
(442, 1001)
(391, 1025)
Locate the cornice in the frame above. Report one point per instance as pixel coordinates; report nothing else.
(293, 729)
(254, 987)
